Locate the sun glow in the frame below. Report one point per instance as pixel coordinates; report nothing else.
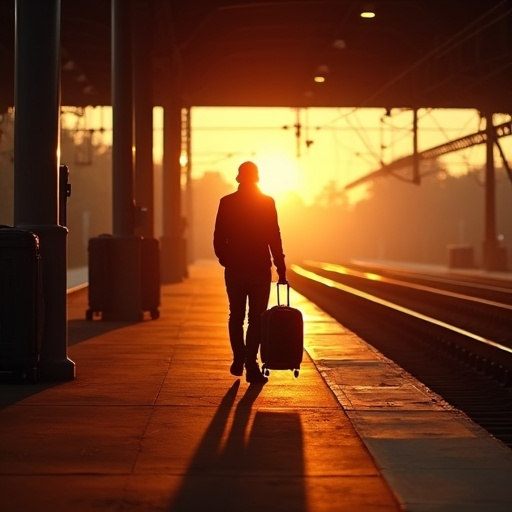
(280, 174)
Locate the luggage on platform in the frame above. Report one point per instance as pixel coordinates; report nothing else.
(124, 277)
(282, 340)
(150, 276)
(21, 304)
(100, 265)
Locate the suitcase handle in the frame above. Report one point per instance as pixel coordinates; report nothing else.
(287, 293)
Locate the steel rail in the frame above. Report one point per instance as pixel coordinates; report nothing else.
(377, 300)
(341, 269)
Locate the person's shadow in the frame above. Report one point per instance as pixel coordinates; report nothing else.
(253, 468)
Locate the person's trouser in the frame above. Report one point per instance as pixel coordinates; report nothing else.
(252, 289)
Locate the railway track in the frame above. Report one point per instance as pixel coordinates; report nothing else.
(451, 334)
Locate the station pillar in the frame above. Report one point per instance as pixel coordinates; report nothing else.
(494, 256)
(36, 169)
(172, 242)
(143, 115)
(125, 304)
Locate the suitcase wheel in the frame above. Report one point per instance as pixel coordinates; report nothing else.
(155, 314)
(88, 314)
(29, 376)
(295, 373)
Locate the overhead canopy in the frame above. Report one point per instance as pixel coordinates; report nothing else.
(413, 53)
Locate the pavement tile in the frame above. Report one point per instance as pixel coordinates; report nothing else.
(155, 422)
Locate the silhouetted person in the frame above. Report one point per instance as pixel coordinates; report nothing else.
(246, 239)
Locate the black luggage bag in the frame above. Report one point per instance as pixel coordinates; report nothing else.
(100, 267)
(150, 275)
(21, 304)
(110, 261)
(282, 340)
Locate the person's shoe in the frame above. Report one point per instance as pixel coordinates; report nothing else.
(237, 368)
(254, 376)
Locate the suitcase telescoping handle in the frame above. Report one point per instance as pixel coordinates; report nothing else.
(287, 293)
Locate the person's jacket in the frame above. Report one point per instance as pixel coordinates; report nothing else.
(247, 235)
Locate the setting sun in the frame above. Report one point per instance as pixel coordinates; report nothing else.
(279, 174)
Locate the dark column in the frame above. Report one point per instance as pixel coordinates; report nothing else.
(126, 293)
(490, 207)
(189, 192)
(494, 257)
(415, 158)
(172, 239)
(122, 119)
(36, 167)
(142, 81)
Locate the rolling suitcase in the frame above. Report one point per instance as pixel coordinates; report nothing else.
(100, 267)
(282, 340)
(21, 304)
(150, 275)
(111, 260)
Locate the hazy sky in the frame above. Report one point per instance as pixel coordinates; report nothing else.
(345, 144)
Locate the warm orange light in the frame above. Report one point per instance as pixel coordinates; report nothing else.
(368, 11)
(319, 79)
(279, 174)
(372, 277)
(368, 14)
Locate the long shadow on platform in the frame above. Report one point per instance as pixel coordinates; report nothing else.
(11, 393)
(12, 390)
(83, 330)
(79, 328)
(253, 470)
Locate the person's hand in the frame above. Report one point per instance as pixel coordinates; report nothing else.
(282, 277)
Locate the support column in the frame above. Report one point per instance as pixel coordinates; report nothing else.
(122, 119)
(415, 157)
(172, 239)
(189, 192)
(125, 302)
(143, 105)
(36, 183)
(494, 257)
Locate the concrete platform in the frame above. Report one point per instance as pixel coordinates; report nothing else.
(155, 422)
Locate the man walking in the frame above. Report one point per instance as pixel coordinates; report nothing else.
(246, 240)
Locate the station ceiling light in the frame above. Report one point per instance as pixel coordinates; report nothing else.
(321, 73)
(368, 10)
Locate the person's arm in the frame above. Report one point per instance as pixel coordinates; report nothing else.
(276, 245)
(219, 235)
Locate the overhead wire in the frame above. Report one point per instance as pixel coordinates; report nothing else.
(475, 27)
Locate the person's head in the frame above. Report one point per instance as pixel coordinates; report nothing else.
(248, 173)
